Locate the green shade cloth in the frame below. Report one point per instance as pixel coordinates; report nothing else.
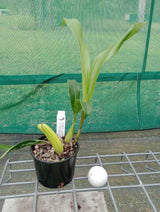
(38, 56)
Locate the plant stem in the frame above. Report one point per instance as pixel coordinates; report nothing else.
(80, 125)
(70, 132)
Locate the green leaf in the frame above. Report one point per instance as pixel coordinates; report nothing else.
(9, 148)
(87, 108)
(75, 27)
(74, 94)
(108, 54)
(89, 76)
(52, 137)
(70, 133)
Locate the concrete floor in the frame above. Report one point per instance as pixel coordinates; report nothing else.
(90, 144)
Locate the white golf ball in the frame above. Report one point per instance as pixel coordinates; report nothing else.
(97, 176)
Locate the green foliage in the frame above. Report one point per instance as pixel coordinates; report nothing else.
(9, 148)
(90, 73)
(52, 138)
(74, 94)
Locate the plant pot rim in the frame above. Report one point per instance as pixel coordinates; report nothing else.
(52, 162)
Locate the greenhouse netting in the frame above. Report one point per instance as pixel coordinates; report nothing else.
(38, 56)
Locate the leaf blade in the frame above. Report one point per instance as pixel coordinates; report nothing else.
(9, 148)
(108, 54)
(87, 108)
(74, 94)
(75, 27)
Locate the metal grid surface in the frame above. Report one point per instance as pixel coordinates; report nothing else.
(127, 174)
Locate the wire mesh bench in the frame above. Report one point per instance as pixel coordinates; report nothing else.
(133, 181)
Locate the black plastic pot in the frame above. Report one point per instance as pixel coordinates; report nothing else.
(55, 174)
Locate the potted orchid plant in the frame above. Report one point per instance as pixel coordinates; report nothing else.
(55, 157)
